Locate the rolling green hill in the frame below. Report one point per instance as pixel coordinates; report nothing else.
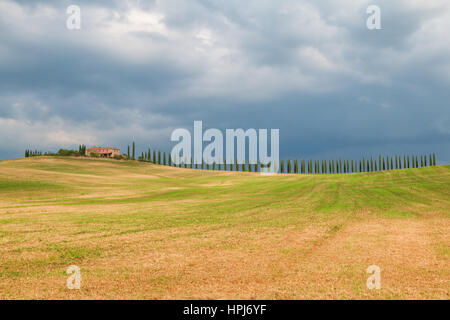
(144, 231)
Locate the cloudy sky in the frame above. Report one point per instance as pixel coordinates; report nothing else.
(136, 70)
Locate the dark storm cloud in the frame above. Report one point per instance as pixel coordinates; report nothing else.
(138, 69)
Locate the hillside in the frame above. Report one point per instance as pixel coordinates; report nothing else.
(144, 231)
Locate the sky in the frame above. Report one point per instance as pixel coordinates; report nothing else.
(137, 70)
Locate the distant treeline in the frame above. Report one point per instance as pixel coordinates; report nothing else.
(297, 166)
(310, 166)
(61, 152)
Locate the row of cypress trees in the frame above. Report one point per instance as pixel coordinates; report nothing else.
(361, 165)
(82, 149)
(32, 153)
(296, 166)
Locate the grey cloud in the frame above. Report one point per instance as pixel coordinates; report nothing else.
(311, 69)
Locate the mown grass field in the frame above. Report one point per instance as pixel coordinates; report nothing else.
(143, 231)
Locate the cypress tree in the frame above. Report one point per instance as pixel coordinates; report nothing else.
(231, 164)
(170, 159)
(375, 166)
(243, 166)
(425, 160)
(256, 166)
(159, 157)
(236, 168)
(164, 158)
(134, 149)
(392, 164)
(225, 164)
(384, 165)
(295, 166)
(219, 165)
(387, 162)
(282, 166)
(289, 166)
(340, 165)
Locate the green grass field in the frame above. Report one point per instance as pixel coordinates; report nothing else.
(143, 231)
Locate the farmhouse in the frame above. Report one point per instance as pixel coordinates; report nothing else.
(103, 152)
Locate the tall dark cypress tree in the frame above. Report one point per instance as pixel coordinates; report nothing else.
(289, 166)
(256, 166)
(392, 164)
(170, 158)
(225, 164)
(282, 166)
(164, 158)
(134, 150)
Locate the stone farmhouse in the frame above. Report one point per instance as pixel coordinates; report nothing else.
(103, 152)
